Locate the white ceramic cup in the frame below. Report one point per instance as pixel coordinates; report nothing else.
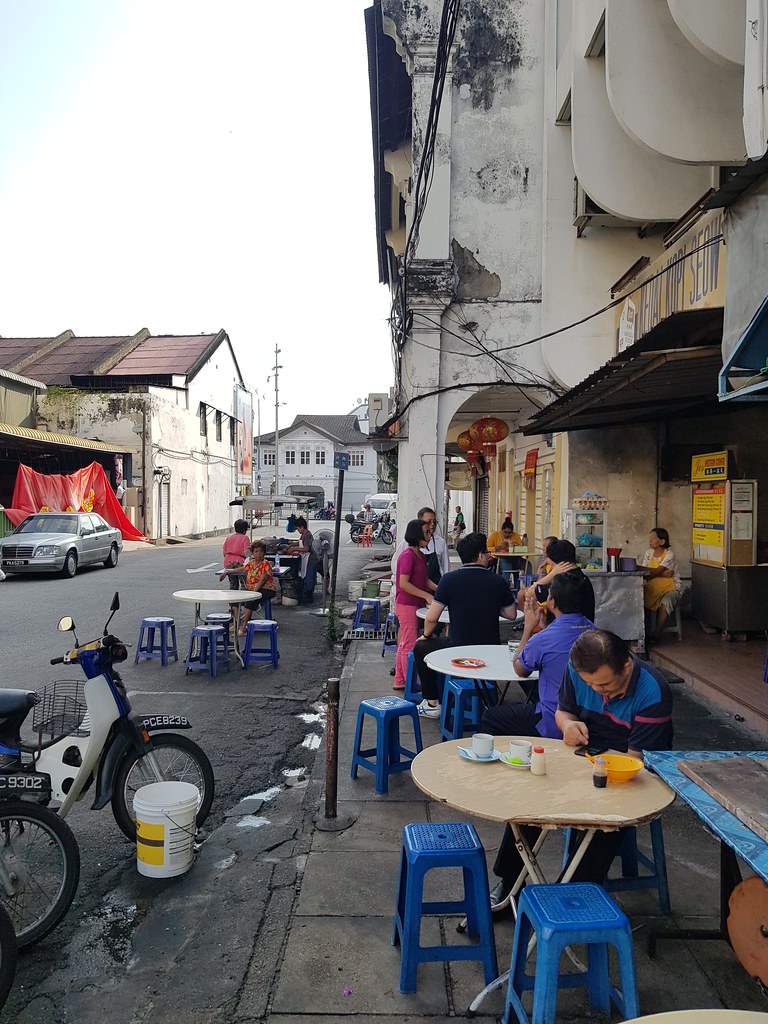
(520, 750)
(482, 744)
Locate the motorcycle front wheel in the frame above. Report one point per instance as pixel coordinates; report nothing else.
(180, 760)
(8, 955)
(40, 869)
(387, 536)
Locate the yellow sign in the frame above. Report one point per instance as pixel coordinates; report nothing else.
(709, 467)
(708, 533)
(689, 275)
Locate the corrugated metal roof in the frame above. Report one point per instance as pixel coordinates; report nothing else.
(68, 440)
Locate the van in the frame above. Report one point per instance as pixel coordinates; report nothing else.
(385, 501)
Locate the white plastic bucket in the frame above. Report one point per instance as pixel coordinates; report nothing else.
(385, 587)
(165, 828)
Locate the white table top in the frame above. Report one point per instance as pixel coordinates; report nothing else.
(703, 1017)
(445, 616)
(217, 596)
(564, 797)
(498, 664)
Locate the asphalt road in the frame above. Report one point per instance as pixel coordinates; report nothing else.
(260, 728)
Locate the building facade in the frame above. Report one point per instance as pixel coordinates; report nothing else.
(554, 234)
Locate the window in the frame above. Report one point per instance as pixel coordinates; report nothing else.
(290, 457)
(269, 458)
(320, 457)
(304, 456)
(356, 458)
(218, 425)
(203, 412)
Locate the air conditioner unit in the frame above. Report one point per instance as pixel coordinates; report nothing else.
(586, 211)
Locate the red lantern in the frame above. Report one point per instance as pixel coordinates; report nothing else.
(489, 429)
(464, 441)
(489, 449)
(473, 458)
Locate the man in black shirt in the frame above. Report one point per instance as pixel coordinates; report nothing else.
(476, 598)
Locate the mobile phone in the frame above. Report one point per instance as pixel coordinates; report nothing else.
(583, 750)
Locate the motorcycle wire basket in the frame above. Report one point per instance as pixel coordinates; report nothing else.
(61, 711)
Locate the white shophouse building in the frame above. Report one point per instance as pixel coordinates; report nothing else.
(580, 145)
(305, 454)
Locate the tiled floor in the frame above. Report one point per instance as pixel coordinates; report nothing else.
(728, 672)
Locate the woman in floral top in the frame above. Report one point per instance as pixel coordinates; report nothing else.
(258, 575)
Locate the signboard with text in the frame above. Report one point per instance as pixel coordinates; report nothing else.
(709, 467)
(708, 534)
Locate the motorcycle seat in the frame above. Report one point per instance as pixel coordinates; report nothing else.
(12, 701)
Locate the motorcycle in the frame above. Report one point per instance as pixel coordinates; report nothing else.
(87, 737)
(381, 527)
(326, 513)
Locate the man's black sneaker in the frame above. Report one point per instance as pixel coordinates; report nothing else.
(500, 895)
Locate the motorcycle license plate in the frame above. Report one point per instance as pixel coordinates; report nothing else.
(20, 784)
(15, 561)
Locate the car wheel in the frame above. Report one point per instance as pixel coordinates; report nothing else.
(111, 560)
(70, 565)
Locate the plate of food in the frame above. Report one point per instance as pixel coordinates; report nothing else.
(468, 662)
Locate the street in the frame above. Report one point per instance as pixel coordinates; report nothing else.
(260, 728)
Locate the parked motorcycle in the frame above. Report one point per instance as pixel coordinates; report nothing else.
(86, 736)
(326, 513)
(381, 527)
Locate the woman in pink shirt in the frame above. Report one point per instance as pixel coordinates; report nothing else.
(236, 549)
(413, 588)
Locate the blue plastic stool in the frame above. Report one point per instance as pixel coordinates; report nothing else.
(220, 619)
(387, 712)
(630, 878)
(461, 706)
(252, 653)
(157, 639)
(203, 654)
(561, 915)
(266, 606)
(389, 641)
(412, 691)
(444, 845)
(362, 604)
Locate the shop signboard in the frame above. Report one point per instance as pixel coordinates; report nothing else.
(529, 473)
(709, 467)
(708, 534)
(689, 275)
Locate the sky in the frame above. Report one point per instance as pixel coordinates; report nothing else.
(192, 166)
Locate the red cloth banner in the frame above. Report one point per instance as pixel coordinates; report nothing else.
(86, 490)
(529, 474)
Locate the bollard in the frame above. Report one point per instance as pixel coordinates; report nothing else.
(332, 748)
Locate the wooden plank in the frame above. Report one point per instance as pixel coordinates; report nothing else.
(740, 784)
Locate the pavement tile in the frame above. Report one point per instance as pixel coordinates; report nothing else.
(326, 955)
(379, 826)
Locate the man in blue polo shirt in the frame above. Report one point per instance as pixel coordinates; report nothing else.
(608, 698)
(570, 600)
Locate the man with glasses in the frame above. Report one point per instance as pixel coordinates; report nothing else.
(436, 552)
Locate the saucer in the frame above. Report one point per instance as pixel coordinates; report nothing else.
(468, 755)
(468, 662)
(511, 764)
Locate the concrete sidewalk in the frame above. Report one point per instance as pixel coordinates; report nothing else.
(339, 961)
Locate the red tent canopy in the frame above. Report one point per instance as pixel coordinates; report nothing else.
(86, 490)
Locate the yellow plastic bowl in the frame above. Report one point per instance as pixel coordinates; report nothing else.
(621, 767)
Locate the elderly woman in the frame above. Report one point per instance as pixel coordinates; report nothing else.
(504, 539)
(661, 590)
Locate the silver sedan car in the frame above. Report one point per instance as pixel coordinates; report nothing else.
(60, 542)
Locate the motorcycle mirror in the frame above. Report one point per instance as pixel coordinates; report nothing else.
(115, 602)
(66, 624)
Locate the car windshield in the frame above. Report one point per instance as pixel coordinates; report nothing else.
(48, 524)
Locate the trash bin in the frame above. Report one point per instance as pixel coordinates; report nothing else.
(291, 583)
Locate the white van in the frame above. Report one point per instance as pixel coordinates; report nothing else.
(385, 501)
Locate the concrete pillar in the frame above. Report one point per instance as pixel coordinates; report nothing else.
(434, 231)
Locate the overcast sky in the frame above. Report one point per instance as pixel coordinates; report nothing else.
(190, 166)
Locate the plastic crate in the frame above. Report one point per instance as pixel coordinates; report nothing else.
(61, 710)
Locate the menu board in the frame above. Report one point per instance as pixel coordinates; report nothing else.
(708, 534)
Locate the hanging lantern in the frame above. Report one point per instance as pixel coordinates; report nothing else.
(489, 428)
(489, 449)
(473, 458)
(464, 441)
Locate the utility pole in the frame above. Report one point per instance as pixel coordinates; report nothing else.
(277, 368)
(258, 443)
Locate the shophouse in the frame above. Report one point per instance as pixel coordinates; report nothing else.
(304, 460)
(173, 409)
(571, 213)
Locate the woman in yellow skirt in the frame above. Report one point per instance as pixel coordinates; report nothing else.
(661, 590)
